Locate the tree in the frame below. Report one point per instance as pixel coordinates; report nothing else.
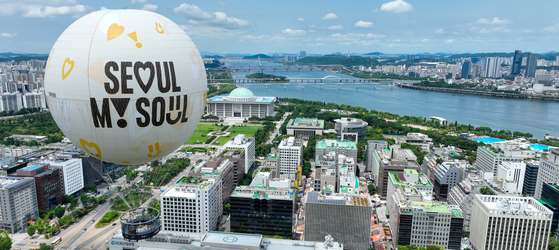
(5, 241)
(59, 211)
(44, 246)
(31, 230)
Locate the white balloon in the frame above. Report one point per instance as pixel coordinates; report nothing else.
(126, 86)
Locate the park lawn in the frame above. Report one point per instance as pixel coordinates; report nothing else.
(224, 139)
(194, 137)
(107, 219)
(248, 130)
(206, 128)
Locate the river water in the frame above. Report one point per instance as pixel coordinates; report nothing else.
(536, 117)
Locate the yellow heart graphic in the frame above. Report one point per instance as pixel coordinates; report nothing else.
(114, 31)
(64, 73)
(86, 145)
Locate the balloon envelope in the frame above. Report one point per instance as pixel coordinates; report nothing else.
(126, 86)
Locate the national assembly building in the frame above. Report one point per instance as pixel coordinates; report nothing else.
(241, 102)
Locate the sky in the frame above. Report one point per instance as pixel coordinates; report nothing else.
(317, 27)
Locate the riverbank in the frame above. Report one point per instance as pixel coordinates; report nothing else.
(485, 93)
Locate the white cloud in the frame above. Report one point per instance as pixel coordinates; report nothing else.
(484, 30)
(336, 27)
(300, 19)
(8, 34)
(496, 21)
(371, 35)
(138, 1)
(363, 24)
(552, 28)
(439, 31)
(293, 32)
(217, 19)
(312, 26)
(36, 10)
(222, 3)
(150, 7)
(103, 8)
(329, 16)
(396, 6)
(450, 41)
(253, 37)
(425, 40)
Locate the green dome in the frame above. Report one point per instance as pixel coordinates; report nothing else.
(241, 92)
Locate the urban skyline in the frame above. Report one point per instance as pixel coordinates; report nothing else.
(242, 27)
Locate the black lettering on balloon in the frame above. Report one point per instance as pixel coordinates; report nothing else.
(174, 78)
(171, 108)
(103, 118)
(167, 87)
(158, 72)
(184, 107)
(120, 105)
(158, 116)
(108, 88)
(142, 111)
(148, 65)
(124, 77)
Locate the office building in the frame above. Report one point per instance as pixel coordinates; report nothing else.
(372, 146)
(92, 169)
(346, 217)
(10, 102)
(466, 68)
(531, 178)
(510, 176)
(237, 157)
(290, 58)
(448, 175)
(548, 171)
(222, 168)
(506, 222)
(247, 144)
(463, 196)
(531, 63)
(417, 220)
(38, 138)
(18, 197)
(393, 160)
(192, 208)
(305, 127)
(488, 161)
(351, 125)
(430, 163)
(47, 184)
(516, 63)
(417, 139)
(302, 54)
(324, 147)
(71, 172)
(492, 67)
(265, 207)
(272, 163)
(242, 103)
(550, 199)
(167, 240)
(413, 186)
(290, 156)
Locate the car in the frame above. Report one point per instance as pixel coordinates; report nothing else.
(84, 229)
(114, 224)
(92, 221)
(95, 211)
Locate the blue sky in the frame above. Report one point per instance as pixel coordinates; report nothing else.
(256, 26)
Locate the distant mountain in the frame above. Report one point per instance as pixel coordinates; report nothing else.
(11, 54)
(374, 54)
(262, 56)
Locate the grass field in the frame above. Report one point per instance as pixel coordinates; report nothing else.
(248, 130)
(204, 129)
(224, 139)
(193, 139)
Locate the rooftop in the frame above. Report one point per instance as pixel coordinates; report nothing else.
(329, 143)
(7, 181)
(399, 179)
(436, 207)
(410, 171)
(31, 168)
(306, 122)
(241, 92)
(338, 199)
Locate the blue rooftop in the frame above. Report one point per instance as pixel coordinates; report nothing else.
(31, 168)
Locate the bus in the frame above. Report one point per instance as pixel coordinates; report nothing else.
(56, 241)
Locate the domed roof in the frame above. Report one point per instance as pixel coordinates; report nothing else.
(241, 92)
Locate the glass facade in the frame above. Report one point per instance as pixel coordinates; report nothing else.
(262, 216)
(550, 199)
(530, 178)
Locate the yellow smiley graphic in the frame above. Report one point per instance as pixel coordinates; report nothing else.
(89, 145)
(69, 62)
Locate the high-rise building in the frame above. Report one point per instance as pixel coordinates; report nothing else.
(265, 207)
(507, 222)
(488, 160)
(463, 196)
(290, 156)
(351, 125)
(516, 63)
(18, 199)
(237, 157)
(394, 160)
(47, 184)
(192, 208)
(247, 144)
(531, 178)
(324, 147)
(466, 68)
(550, 199)
(10, 102)
(221, 167)
(372, 146)
(302, 54)
(531, 63)
(71, 172)
(548, 171)
(346, 217)
(492, 67)
(448, 175)
(92, 169)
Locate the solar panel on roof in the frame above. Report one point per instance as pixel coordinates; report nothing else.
(313, 198)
